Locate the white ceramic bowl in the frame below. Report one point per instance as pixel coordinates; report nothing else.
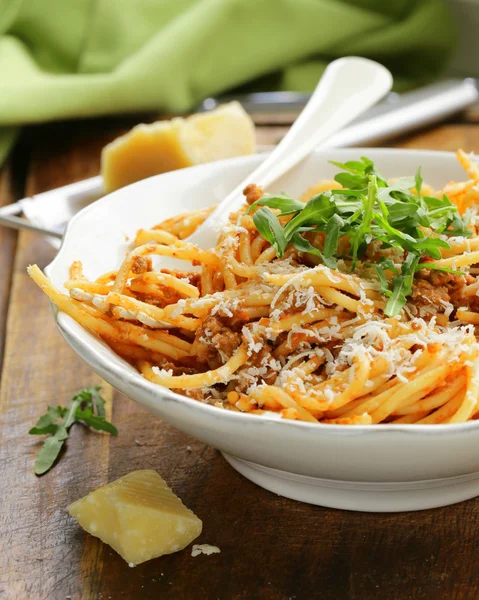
(369, 468)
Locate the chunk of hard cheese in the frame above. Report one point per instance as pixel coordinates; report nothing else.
(138, 516)
(164, 146)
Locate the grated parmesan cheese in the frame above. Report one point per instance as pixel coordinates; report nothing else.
(180, 305)
(162, 372)
(225, 308)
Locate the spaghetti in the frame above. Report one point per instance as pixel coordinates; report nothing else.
(252, 329)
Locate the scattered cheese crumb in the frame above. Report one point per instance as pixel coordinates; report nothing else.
(162, 372)
(204, 549)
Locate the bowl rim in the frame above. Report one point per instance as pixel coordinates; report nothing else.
(158, 393)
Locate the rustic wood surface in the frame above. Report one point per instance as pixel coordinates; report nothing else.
(271, 548)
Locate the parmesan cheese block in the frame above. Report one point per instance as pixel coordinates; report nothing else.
(138, 516)
(164, 146)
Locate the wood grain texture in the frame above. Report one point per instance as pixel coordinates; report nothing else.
(448, 137)
(8, 238)
(271, 548)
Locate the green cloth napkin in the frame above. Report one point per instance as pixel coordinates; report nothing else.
(73, 58)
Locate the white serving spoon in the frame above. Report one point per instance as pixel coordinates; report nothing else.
(348, 87)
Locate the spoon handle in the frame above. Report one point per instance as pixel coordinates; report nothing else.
(348, 87)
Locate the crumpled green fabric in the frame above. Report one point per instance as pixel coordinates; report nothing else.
(73, 58)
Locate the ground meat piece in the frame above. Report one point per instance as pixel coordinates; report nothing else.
(154, 300)
(439, 287)
(167, 297)
(264, 361)
(223, 338)
(294, 340)
(190, 362)
(177, 369)
(316, 239)
(424, 293)
(440, 278)
(456, 288)
(473, 303)
(141, 264)
(192, 277)
(215, 338)
(252, 193)
(202, 395)
(195, 394)
(375, 251)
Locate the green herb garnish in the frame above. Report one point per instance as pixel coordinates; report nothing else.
(367, 209)
(87, 407)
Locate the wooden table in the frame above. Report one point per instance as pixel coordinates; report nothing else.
(271, 548)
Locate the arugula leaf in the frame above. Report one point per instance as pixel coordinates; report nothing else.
(383, 282)
(333, 228)
(387, 264)
(432, 202)
(397, 298)
(390, 234)
(435, 267)
(87, 407)
(360, 234)
(358, 238)
(47, 422)
(348, 194)
(384, 264)
(418, 180)
(353, 166)
(361, 171)
(399, 211)
(95, 421)
(397, 191)
(41, 429)
(97, 400)
(402, 286)
(319, 209)
(270, 229)
(353, 182)
(52, 446)
(283, 202)
(459, 225)
(48, 454)
(302, 244)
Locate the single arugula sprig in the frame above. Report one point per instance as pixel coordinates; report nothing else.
(87, 407)
(402, 281)
(366, 209)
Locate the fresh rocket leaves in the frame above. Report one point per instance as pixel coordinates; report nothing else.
(316, 212)
(384, 264)
(358, 174)
(366, 209)
(283, 202)
(333, 230)
(302, 244)
(87, 407)
(270, 229)
(47, 423)
(402, 285)
(418, 182)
